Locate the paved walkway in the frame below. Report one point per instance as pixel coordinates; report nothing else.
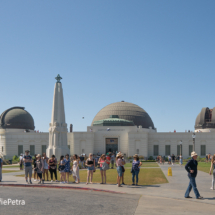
(166, 198)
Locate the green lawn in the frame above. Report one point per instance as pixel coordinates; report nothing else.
(8, 171)
(11, 166)
(144, 164)
(146, 176)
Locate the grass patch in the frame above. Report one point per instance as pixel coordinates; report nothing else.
(11, 166)
(8, 171)
(146, 176)
(146, 164)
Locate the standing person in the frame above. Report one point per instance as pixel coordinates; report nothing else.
(181, 160)
(123, 170)
(67, 168)
(206, 158)
(62, 172)
(169, 159)
(82, 161)
(173, 159)
(163, 159)
(191, 168)
(46, 167)
(90, 163)
(102, 160)
(28, 167)
(112, 160)
(52, 162)
(75, 168)
(119, 164)
(39, 168)
(1, 164)
(213, 167)
(34, 164)
(21, 161)
(108, 159)
(135, 168)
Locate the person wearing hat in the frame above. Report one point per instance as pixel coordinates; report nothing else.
(191, 168)
(119, 164)
(1, 164)
(28, 166)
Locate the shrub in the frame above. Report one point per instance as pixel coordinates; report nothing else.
(150, 158)
(15, 158)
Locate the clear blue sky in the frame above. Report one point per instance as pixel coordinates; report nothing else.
(159, 55)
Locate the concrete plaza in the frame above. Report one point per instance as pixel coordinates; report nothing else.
(162, 198)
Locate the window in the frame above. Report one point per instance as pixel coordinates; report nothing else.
(190, 149)
(179, 151)
(69, 147)
(156, 150)
(20, 149)
(32, 150)
(203, 150)
(43, 149)
(2, 148)
(137, 151)
(167, 150)
(82, 151)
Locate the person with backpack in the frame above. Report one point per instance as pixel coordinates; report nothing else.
(39, 168)
(1, 164)
(61, 169)
(103, 167)
(90, 163)
(135, 168)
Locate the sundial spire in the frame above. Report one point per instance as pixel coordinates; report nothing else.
(58, 78)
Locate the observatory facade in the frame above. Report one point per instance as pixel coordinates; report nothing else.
(120, 126)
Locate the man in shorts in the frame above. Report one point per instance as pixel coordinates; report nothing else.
(173, 159)
(20, 161)
(28, 166)
(112, 160)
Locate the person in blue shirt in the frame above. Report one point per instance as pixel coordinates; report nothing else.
(28, 166)
(1, 163)
(191, 168)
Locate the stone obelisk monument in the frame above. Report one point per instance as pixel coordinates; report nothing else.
(58, 127)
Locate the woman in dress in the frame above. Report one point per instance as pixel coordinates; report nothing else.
(39, 168)
(212, 167)
(75, 168)
(135, 168)
(62, 172)
(90, 163)
(119, 164)
(102, 159)
(67, 168)
(52, 162)
(46, 167)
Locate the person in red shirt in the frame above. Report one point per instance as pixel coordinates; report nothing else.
(108, 159)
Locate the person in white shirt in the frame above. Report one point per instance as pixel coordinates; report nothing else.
(20, 161)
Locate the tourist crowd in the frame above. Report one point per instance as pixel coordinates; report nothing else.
(70, 165)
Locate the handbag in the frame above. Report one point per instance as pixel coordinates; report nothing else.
(105, 166)
(61, 167)
(123, 169)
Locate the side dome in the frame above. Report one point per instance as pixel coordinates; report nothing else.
(205, 119)
(126, 111)
(16, 118)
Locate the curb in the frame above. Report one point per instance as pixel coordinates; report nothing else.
(59, 187)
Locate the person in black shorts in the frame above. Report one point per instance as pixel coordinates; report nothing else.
(173, 159)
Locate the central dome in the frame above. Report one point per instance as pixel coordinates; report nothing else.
(126, 111)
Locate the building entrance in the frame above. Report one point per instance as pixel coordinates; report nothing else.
(111, 145)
